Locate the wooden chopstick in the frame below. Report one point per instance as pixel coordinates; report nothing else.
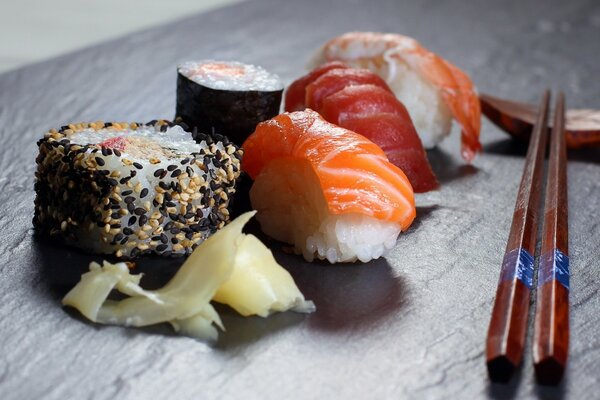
(508, 325)
(551, 338)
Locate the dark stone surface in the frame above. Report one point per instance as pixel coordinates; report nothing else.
(409, 326)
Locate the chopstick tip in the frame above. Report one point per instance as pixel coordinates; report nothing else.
(549, 371)
(500, 369)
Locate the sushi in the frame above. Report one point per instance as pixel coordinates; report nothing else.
(359, 100)
(133, 189)
(328, 191)
(433, 90)
(228, 98)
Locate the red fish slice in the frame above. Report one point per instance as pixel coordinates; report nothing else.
(296, 92)
(335, 80)
(399, 140)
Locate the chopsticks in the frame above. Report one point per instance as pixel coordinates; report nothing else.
(551, 338)
(508, 325)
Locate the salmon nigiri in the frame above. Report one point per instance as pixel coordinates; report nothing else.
(328, 191)
(433, 90)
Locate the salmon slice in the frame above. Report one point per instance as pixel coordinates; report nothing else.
(399, 140)
(295, 93)
(337, 79)
(354, 174)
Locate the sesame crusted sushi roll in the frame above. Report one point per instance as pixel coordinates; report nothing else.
(133, 189)
(228, 98)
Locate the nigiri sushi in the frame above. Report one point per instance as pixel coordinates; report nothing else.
(341, 95)
(433, 90)
(328, 191)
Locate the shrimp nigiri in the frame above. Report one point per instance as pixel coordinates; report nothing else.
(432, 89)
(328, 191)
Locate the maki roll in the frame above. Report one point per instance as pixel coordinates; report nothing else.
(228, 98)
(132, 189)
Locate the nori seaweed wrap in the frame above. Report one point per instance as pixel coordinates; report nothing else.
(228, 98)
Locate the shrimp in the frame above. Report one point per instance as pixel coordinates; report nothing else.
(432, 89)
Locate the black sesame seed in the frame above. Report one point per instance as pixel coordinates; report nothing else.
(115, 215)
(155, 238)
(189, 215)
(135, 252)
(119, 237)
(143, 220)
(173, 216)
(127, 192)
(163, 174)
(128, 231)
(129, 199)
(117, 153)
(174, 240)
(182, 219)
(158, 172)
(115, 207)
(170, 204)
(189, 235)
(132, 173)
(195, 227)
(168, 196)
(131, 221)
(164, 238)
(176, 173)
(143, 193)
(115, 226)
(185, 161)
(125, 239)
(161, 247)
(131, 207)
(112, 182)
(123, 181)
(175, 231)
(171, 167)
(104, 152)
(189, 170)
(99, 161)
(163, 185)
(139, 211)
(138, 165)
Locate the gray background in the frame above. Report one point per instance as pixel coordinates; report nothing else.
(410, 326)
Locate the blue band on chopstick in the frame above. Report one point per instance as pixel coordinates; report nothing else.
(554, 265)
(518, 264)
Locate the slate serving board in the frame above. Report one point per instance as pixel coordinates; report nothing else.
(412, 325)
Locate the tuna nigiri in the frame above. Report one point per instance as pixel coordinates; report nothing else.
(328, 191)
(359, 95)
(433, 90)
